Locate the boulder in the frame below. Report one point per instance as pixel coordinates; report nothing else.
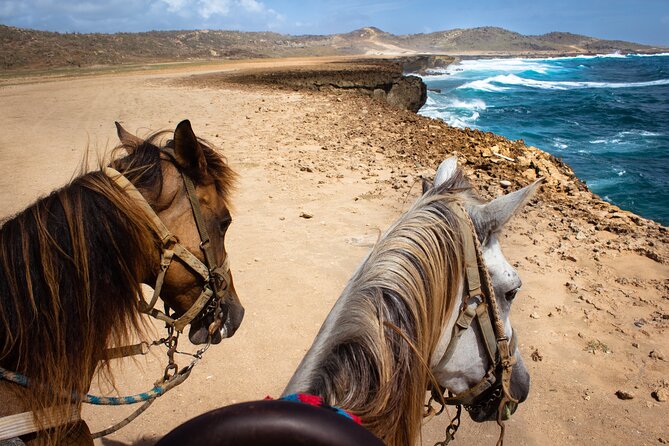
(408, 93)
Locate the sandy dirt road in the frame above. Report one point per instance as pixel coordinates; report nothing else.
(289, 270)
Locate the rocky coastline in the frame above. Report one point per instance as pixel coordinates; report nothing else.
(495, 161)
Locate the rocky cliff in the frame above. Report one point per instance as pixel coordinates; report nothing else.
(380, 79)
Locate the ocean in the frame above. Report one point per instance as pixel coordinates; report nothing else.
(606, 116)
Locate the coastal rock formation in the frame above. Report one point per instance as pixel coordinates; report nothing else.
(421, 64)
(380, 79)
(406, 92)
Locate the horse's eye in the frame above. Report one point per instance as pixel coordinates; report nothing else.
(510, 295)
(224, 225)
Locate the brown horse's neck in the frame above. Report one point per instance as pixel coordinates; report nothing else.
(70, 271)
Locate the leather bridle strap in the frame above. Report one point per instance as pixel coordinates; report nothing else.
(170, 247)
(479, 301)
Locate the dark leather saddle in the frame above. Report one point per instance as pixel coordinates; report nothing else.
(270, 423)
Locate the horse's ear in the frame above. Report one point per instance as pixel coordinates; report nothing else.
(129, 141)
(492, 216)
(446, 171)
(188, 152)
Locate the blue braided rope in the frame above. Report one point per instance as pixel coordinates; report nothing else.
(155, 392)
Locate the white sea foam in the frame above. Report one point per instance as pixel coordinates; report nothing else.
(496, 83)
(539, 65)
(624, 137)
(486, 84)
(605, 141)
(637, 133)
(652, 55)
(461, 122)
(486, 65)
(505, 65)
(451, 118)
(430, 102)
(560, 144)
(476, 104)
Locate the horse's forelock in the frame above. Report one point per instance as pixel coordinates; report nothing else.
(142, 163)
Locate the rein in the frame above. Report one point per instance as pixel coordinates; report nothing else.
(479, 302)
(214, 291)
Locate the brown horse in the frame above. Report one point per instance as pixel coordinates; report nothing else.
(71, 266)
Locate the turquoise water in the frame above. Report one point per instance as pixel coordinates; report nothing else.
(606, 116)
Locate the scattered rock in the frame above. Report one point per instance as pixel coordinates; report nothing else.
(306, 215)
(572, 287)
(536, 356)
(597, 345)
(656, 355)
(535, 315)
(624, 395)
(661, 395)
(505, 183)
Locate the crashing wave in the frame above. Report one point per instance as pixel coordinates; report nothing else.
(497, 83)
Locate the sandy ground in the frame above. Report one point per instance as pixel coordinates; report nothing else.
(590, 324)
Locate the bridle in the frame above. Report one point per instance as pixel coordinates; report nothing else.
(216, 277)
(479, 302)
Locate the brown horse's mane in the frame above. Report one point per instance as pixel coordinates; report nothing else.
(375, 362)
(70, 271)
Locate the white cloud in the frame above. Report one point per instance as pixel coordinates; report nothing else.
(175, 5)
(252, 5)
(209, 8)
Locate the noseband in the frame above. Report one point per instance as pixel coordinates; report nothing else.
(479, 302)
(216, 278)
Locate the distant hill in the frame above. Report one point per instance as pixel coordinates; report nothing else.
(24, 48)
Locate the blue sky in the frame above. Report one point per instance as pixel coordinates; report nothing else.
(643, 21)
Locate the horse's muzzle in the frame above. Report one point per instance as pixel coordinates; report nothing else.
(232, 315)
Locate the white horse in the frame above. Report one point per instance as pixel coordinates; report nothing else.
(396, 328)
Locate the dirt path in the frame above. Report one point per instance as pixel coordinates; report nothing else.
(289, 270)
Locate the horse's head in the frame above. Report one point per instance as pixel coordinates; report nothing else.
(163, 184)
(465, 373)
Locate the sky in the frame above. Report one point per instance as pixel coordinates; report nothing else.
(641, 21)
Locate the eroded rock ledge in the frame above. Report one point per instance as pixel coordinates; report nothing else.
(381, 79)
